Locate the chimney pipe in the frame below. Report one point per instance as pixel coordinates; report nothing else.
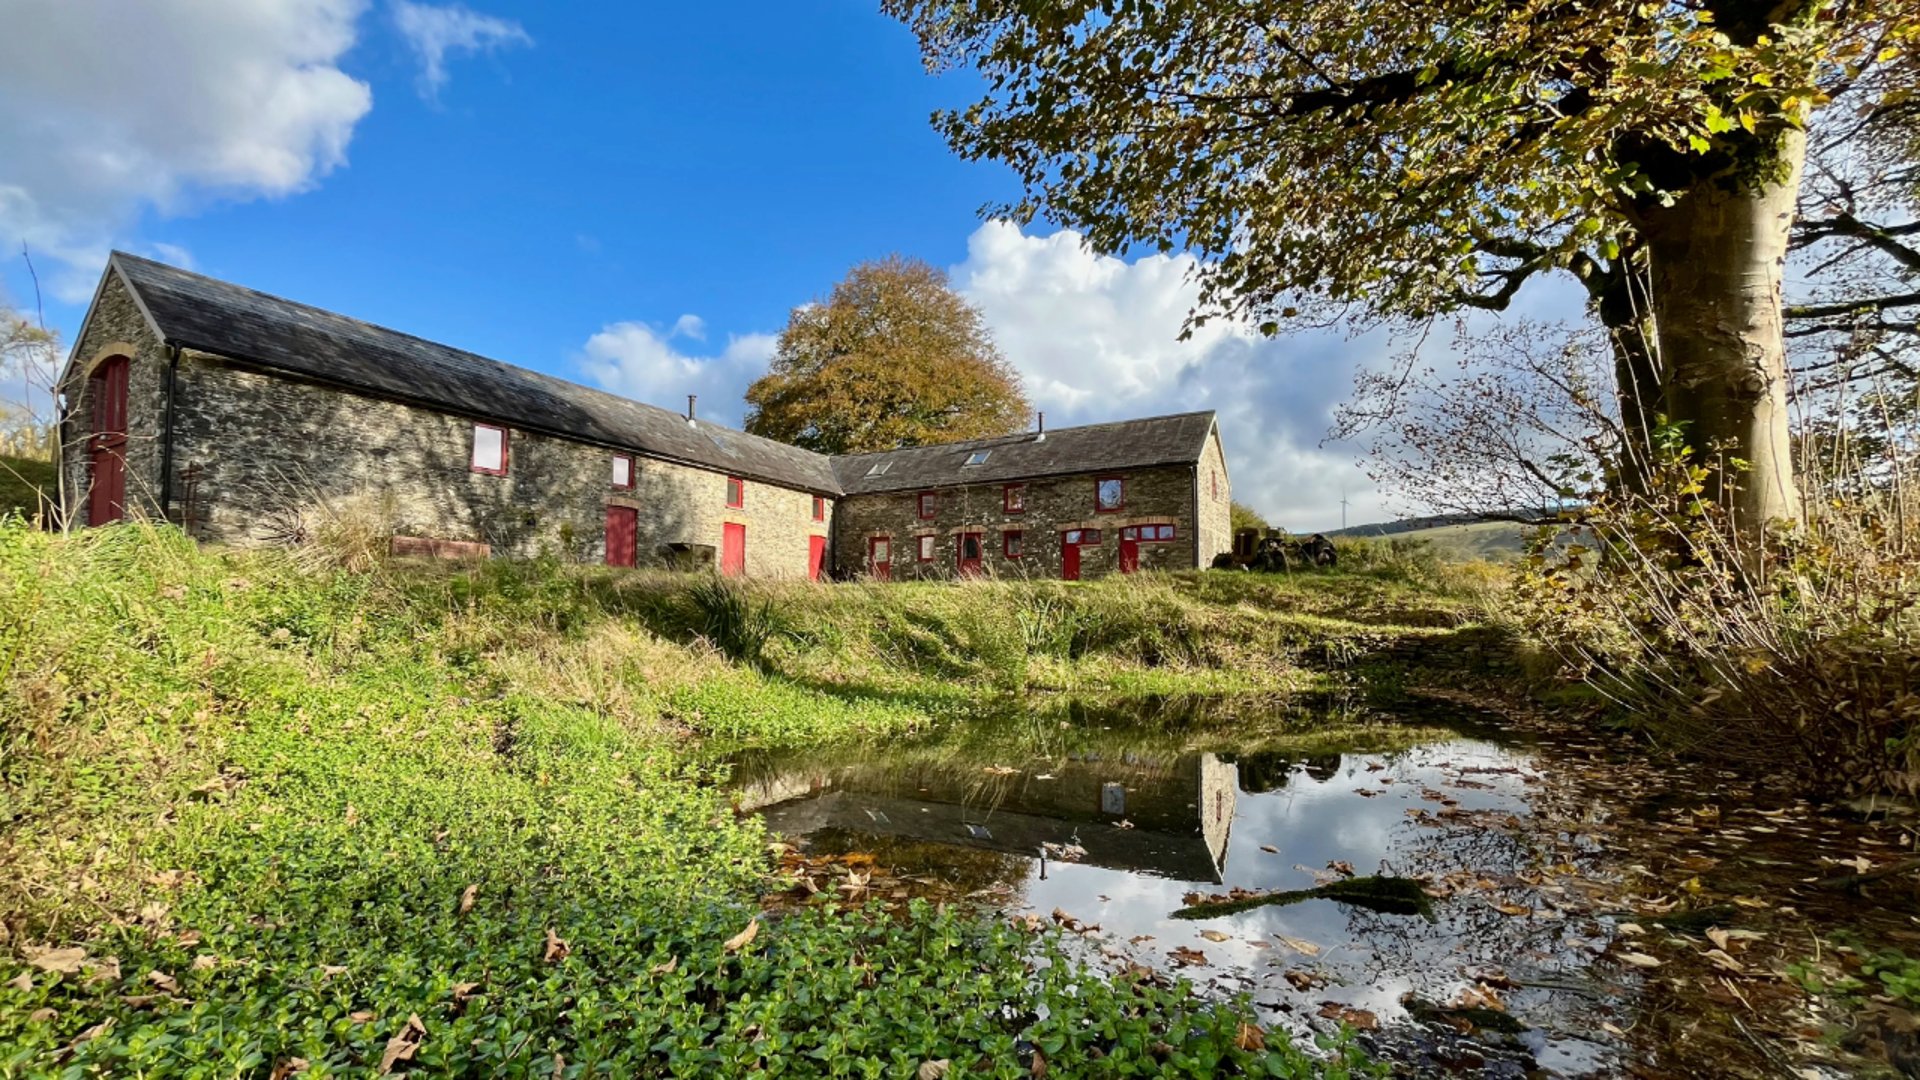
(1041, 429)
(691, 398)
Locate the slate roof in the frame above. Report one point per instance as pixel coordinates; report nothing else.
(1124, 444)
(208, 315)
(202, 313)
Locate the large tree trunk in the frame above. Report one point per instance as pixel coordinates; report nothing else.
(1717, 255)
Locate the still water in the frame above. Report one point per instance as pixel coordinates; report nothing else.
(1107, 831)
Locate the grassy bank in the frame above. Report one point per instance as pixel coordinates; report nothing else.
(263, 814)
(26, 485)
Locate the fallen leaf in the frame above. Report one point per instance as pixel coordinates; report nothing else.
(557, 947)
(1630, 929)
(466, 898)
(330, 970)
(41, 1016)
(91, 1033)
(671, 965)
(1186, 957)
(933, 1070)
(1039, 1067)
(1358, 1019)
(22, 982)
(205, 962)
(1513, 909)
(57, 961)
(353, 818)
(1639, 959)
(1722, 960)
(463, 991)
(164, 981)
(1301, 980)
(1250, 1037)
(287, 1068)
(401, 1047)
(1215, 935)
(360, 1016)
(559, 1066)
(1304, 948)
(745, 937)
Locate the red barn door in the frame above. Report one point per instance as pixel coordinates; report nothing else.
(107, 448)
(880, 557)
(1070, 556)
(623, 529)
(969, 558)
(816, 557)
(733, 549)
(1129, 551)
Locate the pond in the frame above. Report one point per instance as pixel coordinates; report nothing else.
(1550, 861)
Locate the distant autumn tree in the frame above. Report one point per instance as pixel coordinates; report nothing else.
(894, 357)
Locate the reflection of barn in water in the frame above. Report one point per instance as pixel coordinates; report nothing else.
(1167, 817)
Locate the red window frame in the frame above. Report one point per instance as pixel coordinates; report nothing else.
(1013, 499)
(1012, 541)
(504, 458)
(1116, 507)
(926, 505)
(925, 546)
(628, 486)
(736, 493)
(819, 508)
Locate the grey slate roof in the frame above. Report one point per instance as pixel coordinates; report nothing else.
(1123, 444)
(199, 312)
(202, 313)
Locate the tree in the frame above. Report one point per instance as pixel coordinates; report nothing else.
(1413, 159)
(1241, 516)
(894, 357)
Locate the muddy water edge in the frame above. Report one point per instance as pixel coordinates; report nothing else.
(1591, 910)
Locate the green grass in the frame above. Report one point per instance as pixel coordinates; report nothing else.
(293, 812)
(24, 484)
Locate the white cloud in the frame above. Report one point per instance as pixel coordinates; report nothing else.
(109, 108)
(643, 363)
(437, 34)
(1098, 338)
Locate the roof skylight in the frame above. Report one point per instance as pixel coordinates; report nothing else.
(879, 468)
(978, 457)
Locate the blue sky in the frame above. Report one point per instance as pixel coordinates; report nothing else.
(628, 195)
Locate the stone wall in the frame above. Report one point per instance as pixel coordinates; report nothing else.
(254, 447)
(116, 328)
(1159, 496)
(1215, 531)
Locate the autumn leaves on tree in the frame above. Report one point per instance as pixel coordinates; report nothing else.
(893, 357)
(1404, 160)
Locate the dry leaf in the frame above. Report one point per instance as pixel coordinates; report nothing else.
(672, 965)
(58, 961)
(1358, 1019)
(1304, 948)
(401, 1047)
(1250, 1037)
(1512, 909)
(22, 982)
(205, 962)
(330, 970)
(1039, 1067)
(1214, 935)
(287, 1068)
(463, 991)
(41, 1016)
(466, 898)
(164, 981)
(91, 1033)
(1629, 929)
(360, 1016)
(557, 947)
(353, 817)
(933, 1070)
(1722, 960)
(559, 1066)
(1186, 957)
(745, 937)
(1639, 959)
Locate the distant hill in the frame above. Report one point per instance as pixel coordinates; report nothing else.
(1465, 537)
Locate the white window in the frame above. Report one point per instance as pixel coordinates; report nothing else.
(490, 449)
(926, 549)
(622, 471)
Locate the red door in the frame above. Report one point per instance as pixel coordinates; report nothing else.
(623, 529)
(969, 549)
(1129, 555)
(107, 498)
(733, 549)
(1069, 557)
(816, 557)
(880, 557)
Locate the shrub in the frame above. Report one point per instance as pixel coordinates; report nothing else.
(737, 621)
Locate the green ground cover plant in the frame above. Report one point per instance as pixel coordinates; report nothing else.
(265, 815)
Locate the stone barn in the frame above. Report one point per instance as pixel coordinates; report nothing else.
(243, 417)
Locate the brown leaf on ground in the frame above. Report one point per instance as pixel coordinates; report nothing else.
(466, 898)
(353, 816)
(463, 991)
(1215, 935)
(559, 1066)
(22, 982)
(1250, 1037)
(1039, 1067)
(205, 962)
(1301, 980)
(933, 1070)
(1341, 867)
(1186, 957)
(744, 938)
(557, 947)
(57, 961)
(360, 1016)
(41, 1016)
(287, 1068)
(164, 981)
(91, 1033)
(1724, 962)
(329, 970)
(1358, 1019)
(401, 1047)
(1639, 959)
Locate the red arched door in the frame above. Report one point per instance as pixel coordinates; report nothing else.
(107, 446)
